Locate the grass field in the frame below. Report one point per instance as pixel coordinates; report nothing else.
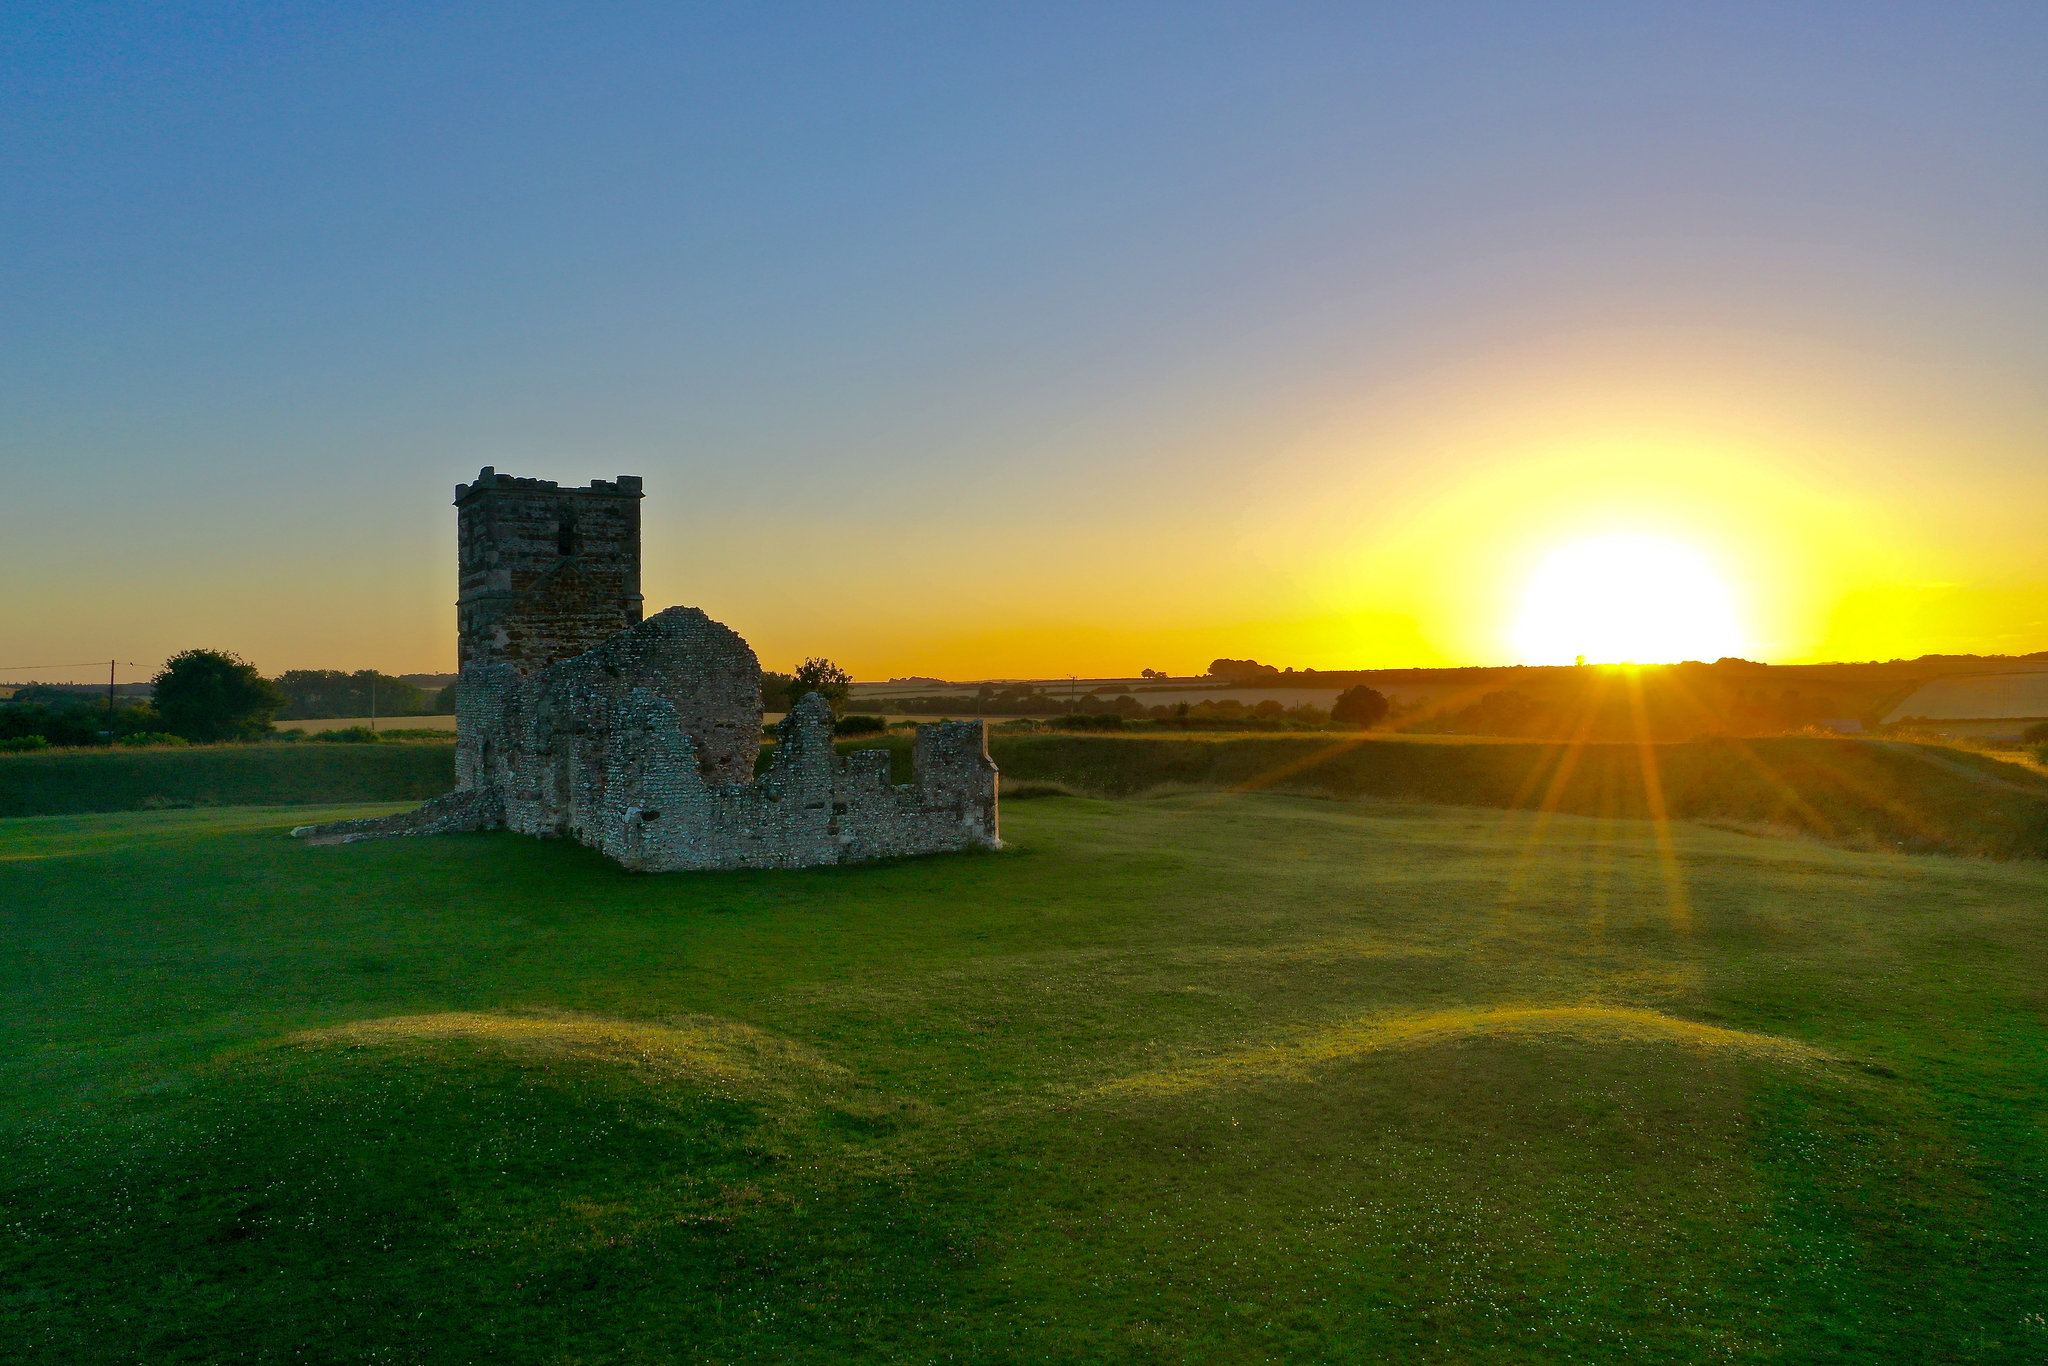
(84, 780)
(1213, 1077)
(382, 723)
(1986, 696)
(1874, 794)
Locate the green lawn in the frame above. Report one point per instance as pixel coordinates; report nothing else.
(1206, 1078)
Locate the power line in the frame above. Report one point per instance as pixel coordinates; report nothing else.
(37, 668)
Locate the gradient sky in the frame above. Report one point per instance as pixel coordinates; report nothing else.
(1025, 340)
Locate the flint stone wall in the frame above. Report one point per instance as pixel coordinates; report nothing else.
(546, 572)
(812, 806)
(644, 748)
(576, 718)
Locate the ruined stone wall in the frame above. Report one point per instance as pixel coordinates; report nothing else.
(639, 738)
(811, 807)
(644, 748)
(452, 813)
(551, 737)
(579, 751)
(546, 572)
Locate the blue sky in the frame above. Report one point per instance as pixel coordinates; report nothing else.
(1007, 339)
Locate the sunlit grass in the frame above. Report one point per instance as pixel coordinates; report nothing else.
(1214, 1076)
(706, 1050)
(1600, 1025)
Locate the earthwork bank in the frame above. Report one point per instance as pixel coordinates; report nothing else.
(1877, 794)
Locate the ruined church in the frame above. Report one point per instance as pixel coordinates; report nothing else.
(577, 718)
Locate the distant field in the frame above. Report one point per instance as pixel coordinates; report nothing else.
(1152, 693)
(1872, 792)
(446, 723)
(1978, 697)
(1666, 703)
(1982, 731)
(1202, 1079)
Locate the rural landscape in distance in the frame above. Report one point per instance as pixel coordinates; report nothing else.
(1008, 684)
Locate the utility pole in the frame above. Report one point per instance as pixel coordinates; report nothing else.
(373, 701)
(110, 693)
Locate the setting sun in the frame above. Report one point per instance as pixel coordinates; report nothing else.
(1626, 598)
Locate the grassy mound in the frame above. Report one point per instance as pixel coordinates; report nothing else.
(1212, 1077)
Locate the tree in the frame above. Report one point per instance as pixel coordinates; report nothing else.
(312, 694)
(824, 677)
(209, 695)
(1360, 706)
(2036, 734)
(775, 691)
(73, 716)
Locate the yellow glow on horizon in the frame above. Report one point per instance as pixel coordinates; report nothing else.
(1626, 598)
(1853, 507)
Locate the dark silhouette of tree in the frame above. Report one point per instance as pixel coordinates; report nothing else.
(73, 716)
(209, 695)
(1241, 668)
(312, 694)
(775, 691)
(824, 677)
(1360, 706)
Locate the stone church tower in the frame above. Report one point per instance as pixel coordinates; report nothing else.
(547, 572)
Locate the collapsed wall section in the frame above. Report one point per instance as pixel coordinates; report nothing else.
(550, 743)
(813, 806)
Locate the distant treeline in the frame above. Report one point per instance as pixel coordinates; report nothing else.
(1020, 699)
(1923, 668)
(204, 696)
(321, 694)
(44, 715)
(1028, 699)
